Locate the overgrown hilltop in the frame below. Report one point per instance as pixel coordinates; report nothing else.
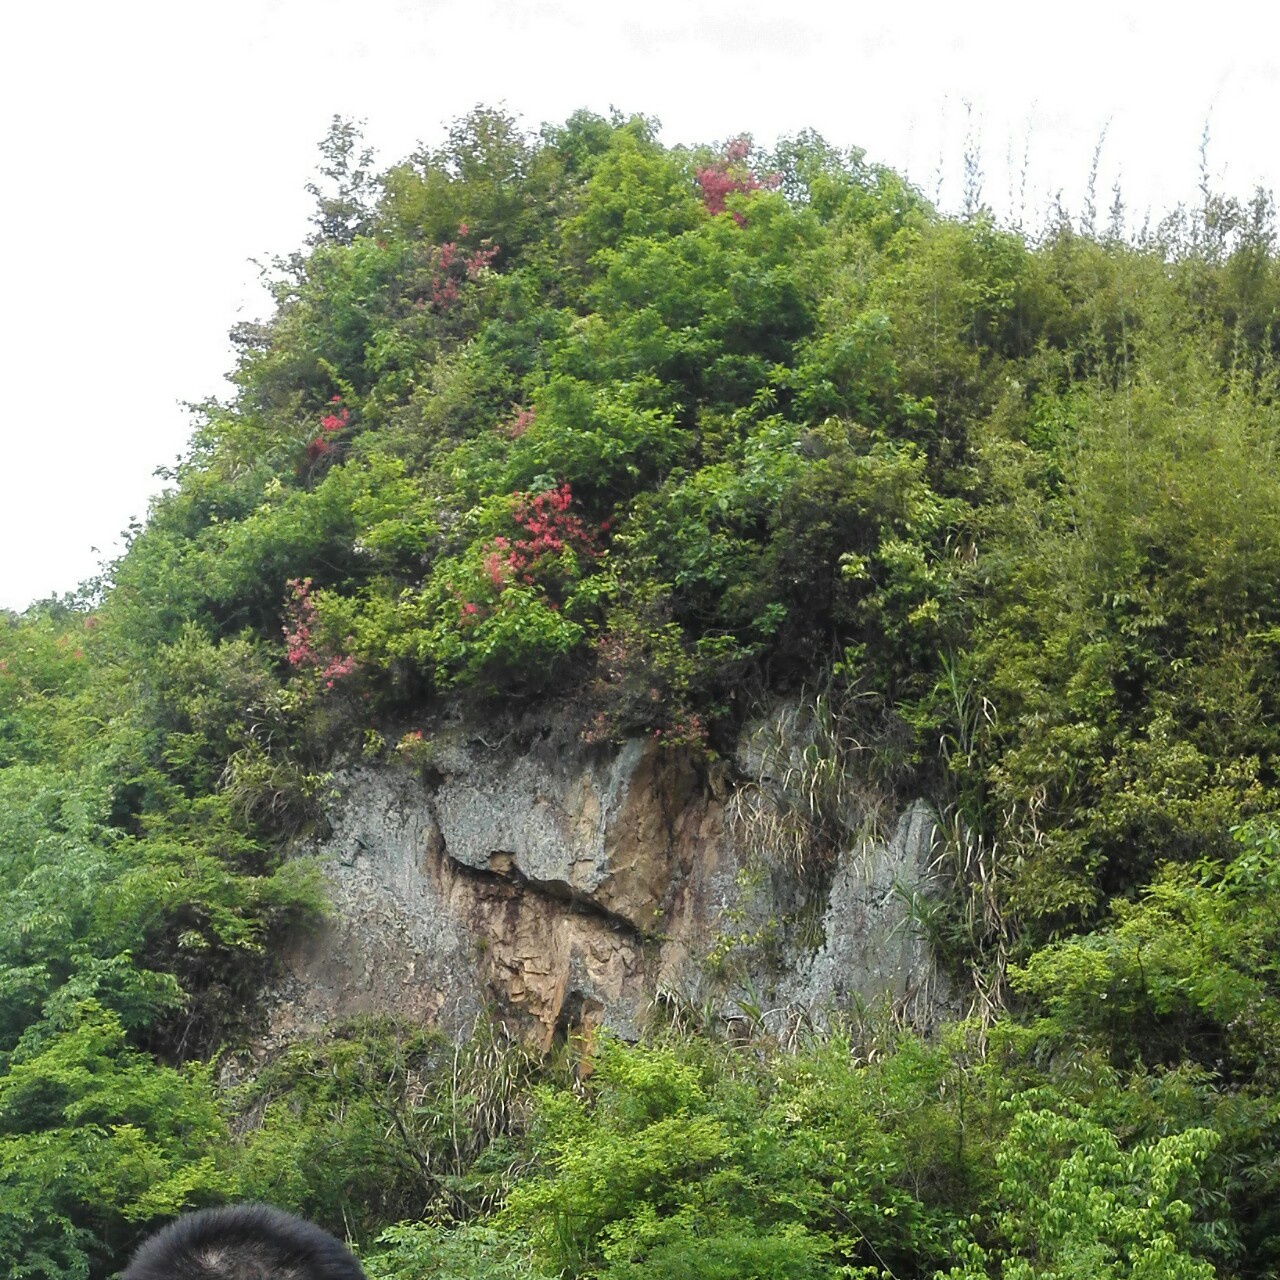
(659, 433)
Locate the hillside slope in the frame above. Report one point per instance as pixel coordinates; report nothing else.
(656, 446)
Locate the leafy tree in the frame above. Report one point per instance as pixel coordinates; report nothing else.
(1080, 1205)
(98, 1144)
(343, 210)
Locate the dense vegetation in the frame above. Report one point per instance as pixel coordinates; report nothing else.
(657, 433)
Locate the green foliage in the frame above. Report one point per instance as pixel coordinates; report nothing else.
(1124, 638)
(65, 936)
(411, 1251)
(636, 189)
(97, 1144)
(684, 1161)
(1080, 1205)
(378, 1122)
(42, 667)
(1186, 972)
(608, 443)
(139, 923)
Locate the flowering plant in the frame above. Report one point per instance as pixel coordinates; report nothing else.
(331, 424)
(301, 649)
(730, 174)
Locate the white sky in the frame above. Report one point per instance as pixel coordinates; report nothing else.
(157, 145)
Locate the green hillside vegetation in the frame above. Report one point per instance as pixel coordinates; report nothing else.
(651, 435)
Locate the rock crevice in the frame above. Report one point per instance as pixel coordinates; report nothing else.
(503, 866)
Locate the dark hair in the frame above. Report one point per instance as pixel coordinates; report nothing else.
(243, 1242)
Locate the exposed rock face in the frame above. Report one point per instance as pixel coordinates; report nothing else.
(871, 949)
(565, 885)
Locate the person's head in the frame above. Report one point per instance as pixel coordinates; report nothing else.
(242, 1242)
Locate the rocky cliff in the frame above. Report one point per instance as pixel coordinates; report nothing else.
(567, 886)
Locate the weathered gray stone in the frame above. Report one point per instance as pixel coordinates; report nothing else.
(389, 943)
(873, 951)
(564, 885)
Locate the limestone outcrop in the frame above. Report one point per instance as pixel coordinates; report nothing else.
(565, 885)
